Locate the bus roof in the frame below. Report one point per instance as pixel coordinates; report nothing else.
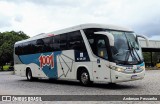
(74, 28)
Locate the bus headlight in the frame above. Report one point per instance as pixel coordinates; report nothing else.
(142, 67)
(117, 69)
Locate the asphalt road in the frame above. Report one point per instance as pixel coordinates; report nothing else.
(16, 85)
(12, 84)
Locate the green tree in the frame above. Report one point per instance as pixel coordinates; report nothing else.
(7, 40)
(147, 57)
(156, 57)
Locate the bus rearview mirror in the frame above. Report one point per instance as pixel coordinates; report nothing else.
(144, 37)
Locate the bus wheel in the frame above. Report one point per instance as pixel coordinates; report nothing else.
(112, 84)
(29, 75)
(84, 78)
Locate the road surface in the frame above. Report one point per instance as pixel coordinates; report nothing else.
(15, 85)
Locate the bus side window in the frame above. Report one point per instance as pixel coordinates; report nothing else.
(75, 41)
(56, 43)
(39, 45)
(101, 48)
(47, 47)
(19, 49)
(33, 47)
(92, 44)
(63, 42)
(26, 48)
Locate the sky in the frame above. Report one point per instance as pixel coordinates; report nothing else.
(43, 16)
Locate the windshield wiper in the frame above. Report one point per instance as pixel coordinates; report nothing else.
(133, 48)
(132, 55)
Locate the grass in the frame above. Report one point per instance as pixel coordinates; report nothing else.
(6, 67)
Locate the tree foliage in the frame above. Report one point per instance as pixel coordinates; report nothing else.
(147, 57)
(7, 40)
(155, 57)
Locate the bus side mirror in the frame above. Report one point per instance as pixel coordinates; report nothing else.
(109, 35)
(144, 37)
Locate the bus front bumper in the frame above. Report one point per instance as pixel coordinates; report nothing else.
(123, 77)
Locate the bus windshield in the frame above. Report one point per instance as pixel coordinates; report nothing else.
(126, 49)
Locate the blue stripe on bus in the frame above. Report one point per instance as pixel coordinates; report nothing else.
(142, 64)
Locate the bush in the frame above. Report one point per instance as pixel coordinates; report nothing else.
(6, 67)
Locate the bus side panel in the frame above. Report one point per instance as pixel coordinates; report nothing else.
(36, 71)
(41, 64)
(69, 61)
(19, 67)
(65, 64)
(101, 71)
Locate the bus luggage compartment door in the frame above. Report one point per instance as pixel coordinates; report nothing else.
(101, 71)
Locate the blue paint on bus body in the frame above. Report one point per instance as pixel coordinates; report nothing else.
(34, 58)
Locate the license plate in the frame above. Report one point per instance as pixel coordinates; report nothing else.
(134, 76)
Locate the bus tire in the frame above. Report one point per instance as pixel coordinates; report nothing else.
(112, 84)
(85, 78)
(29, 75)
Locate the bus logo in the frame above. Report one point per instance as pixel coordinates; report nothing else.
(46, 60)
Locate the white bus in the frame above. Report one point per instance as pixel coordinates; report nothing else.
(88, 53)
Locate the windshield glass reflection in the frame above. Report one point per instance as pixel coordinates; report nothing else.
(126, 49)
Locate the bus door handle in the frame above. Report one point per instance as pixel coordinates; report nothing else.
(99, 66)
